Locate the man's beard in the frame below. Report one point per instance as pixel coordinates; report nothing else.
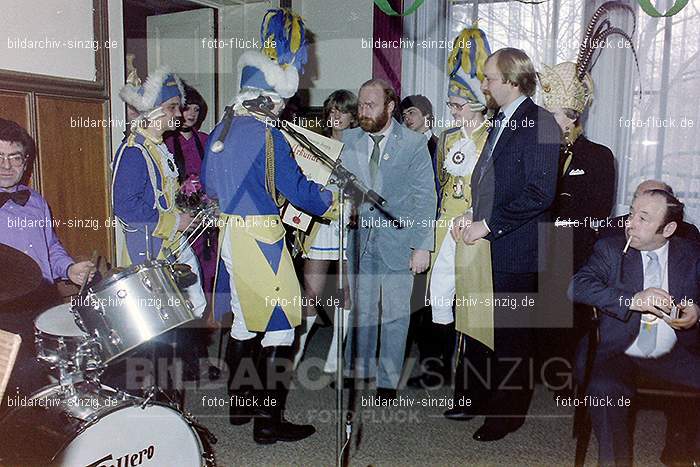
(371, 125)
(491, 102)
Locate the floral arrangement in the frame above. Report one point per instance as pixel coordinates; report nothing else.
(191, 197)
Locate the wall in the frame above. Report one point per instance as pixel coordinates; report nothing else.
(61, 30)
(337, 59)
(240, 22)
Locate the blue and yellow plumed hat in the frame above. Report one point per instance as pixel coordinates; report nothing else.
(276, 68)
(465, 66)
(160, 86)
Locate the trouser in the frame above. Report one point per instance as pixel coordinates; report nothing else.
(613, 381)
(376, 284)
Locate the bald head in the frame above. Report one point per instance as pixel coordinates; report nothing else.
(648, 185)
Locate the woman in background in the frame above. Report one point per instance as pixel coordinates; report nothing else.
(187, 144)
(321, 248)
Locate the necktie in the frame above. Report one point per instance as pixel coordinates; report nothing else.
(18, 197)
(487, 152)
(647, 332)
(374, 158)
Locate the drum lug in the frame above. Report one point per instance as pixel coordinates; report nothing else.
(114, 337)
(146, 281)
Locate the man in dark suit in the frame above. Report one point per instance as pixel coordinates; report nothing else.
(616, 225)
(636, 292)
(520, 157)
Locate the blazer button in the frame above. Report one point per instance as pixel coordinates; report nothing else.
(277, 289)
(372, 208)
(500, 232)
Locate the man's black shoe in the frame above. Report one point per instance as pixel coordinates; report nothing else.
(458, 414)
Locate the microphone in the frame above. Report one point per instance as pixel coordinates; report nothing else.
(259, 103)
(218, 145)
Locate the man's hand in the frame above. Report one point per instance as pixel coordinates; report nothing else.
(652, 300)
(475, 231)
(689, 315)
(459, 224)
(78, 271)
(420, 260)
(183, 221)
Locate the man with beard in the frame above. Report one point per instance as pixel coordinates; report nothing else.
(513, 186)
(391, 243)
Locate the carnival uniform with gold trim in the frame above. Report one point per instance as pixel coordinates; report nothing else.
(458, 153)
(144, 185)
(251, 177)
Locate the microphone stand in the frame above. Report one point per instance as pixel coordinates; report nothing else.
(344, 178)
(346, 181)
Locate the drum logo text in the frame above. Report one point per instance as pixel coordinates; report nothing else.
(127, 460)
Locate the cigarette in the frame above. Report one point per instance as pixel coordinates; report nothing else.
(627, 245)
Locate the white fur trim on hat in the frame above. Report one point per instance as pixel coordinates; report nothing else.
(151, 89)
(285, 80)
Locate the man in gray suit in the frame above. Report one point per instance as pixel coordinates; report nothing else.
(391, 243)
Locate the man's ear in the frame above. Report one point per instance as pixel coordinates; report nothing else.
(669, 229)
(390, 107)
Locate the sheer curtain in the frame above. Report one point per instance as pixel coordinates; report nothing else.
(658, 134)
(423, 63)
(549, 32)
(653, 137)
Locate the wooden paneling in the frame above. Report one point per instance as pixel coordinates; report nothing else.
(73, 157)
(15, 106)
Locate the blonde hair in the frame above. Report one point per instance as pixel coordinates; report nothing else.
(516, 68)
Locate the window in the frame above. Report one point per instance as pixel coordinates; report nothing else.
(549, 32)
(665, 139)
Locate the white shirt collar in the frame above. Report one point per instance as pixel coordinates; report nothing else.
(661, 253)
(510, 109)
(428, 133)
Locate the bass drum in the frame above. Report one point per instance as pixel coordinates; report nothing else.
(89, 426)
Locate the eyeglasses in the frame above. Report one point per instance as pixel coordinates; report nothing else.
(15, 160)
(455, 106)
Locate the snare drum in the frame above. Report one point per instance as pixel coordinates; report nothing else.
(57, 337)
(93, 425)
(133, 306)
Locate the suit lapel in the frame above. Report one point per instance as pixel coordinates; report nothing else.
(507, 133)
(388, 157)
(632, 271)
(678, 269)
(361, 156)
(510, 130)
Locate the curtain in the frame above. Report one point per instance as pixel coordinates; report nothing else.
(423, 60)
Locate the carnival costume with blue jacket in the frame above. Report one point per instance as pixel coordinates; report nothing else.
(251, 177)
(144, 185)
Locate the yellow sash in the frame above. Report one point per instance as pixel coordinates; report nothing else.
(474, 291)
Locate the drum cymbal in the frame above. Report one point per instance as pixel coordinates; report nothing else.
(21, 277)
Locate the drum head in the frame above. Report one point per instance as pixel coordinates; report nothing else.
(156, 435)
(115, 432)
(58, 321)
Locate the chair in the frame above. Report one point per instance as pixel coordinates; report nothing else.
(9, 346)
(648, 390)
